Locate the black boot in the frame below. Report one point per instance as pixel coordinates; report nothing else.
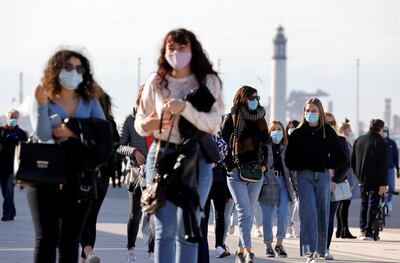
(339, 232)
(346, 233)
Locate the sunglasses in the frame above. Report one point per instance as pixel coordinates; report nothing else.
(70, 67)
(255, 98)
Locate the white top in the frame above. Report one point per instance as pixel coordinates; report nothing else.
(154, 97)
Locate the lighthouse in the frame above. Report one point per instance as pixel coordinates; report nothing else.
(278, 85)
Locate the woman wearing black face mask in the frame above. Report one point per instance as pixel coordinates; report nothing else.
(246, 132)
(67, 90)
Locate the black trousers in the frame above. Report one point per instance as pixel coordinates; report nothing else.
(369, 209)
(135, 215)
(342, 215)
(58, 219)
(89, 230)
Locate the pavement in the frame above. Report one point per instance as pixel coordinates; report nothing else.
(17, 237)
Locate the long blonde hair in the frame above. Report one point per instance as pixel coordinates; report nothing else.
(322, 120)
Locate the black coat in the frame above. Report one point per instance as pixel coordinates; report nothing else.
(341, 174)
(369, 161)
(8, 140)
(310, 149)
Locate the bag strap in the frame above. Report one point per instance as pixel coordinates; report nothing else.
(156, 157)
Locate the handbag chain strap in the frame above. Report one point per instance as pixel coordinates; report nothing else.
(156, 177)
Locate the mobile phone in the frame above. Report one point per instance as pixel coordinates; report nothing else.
(55, 120)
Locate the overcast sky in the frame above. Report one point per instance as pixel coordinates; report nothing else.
(324, 40)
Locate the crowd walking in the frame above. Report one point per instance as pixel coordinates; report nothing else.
(185, 157)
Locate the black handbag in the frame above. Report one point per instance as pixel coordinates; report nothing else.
(39, 163)
(250, 172)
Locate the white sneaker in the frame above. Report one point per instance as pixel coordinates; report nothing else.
(231, 230)
(130, 257)
(221, 252)
(329, 256)
(92, 259)
(312, 258)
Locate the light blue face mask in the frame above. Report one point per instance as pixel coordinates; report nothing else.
(70, 79)
(277, 136)
(311, 117)
(13, 122)
(252, 104)
(290, 130)
(350, 135)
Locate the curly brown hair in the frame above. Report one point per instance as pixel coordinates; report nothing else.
(87, 88)
(199, 64)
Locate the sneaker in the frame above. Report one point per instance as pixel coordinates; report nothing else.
(369, 236)
(328, 256)
(249, 258)
(231, 230)
(270, 252)
(280, 251)
(240, 258)
(362, 235)
(130, 257)
(221, 252)
(92, 259)
(312, 258)
(150, 258)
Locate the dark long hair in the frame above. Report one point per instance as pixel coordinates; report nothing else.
(242, 96)
(106, 104)
(87, 88)
(199, 64)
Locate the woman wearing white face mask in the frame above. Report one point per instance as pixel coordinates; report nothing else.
(182, 67)
(66, 91)
(277, 190)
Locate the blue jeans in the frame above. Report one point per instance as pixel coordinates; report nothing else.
(258, 216)
(331, 225)
(229, 212)
(268, 210)
(170, 245)
(245, 195)
(391, 182)
(7, 190)
(314, 202)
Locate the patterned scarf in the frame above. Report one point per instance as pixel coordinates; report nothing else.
(244, 149)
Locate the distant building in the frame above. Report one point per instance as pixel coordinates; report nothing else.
(387, 114)
(396, 125)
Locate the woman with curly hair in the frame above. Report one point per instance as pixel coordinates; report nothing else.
(182, 67)
(66, 91)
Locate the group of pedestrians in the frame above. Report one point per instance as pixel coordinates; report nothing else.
(237, 159)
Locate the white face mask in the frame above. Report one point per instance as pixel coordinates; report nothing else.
(179, 59)
(290, 130)
(70, 79)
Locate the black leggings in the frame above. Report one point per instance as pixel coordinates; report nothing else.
(89, 231)
(342, 214)
(58, 219)
(135, 215)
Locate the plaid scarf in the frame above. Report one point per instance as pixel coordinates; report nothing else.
(244, 147)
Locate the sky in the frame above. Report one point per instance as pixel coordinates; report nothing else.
(325, 38)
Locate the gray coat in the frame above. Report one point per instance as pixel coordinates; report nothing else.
(269, 192)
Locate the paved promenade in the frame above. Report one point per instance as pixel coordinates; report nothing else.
(17, 237)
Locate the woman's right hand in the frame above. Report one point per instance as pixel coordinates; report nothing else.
(152, 122)
(41, 95)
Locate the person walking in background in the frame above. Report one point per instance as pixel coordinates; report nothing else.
(338, 176)
(393, 166)
(182, 67)
(370, 163)
(277, 191)
(88, 238)
(10, 135)
(133, 146)
(342, 211)
(246, 132)
(68, 90)
(312, 149)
